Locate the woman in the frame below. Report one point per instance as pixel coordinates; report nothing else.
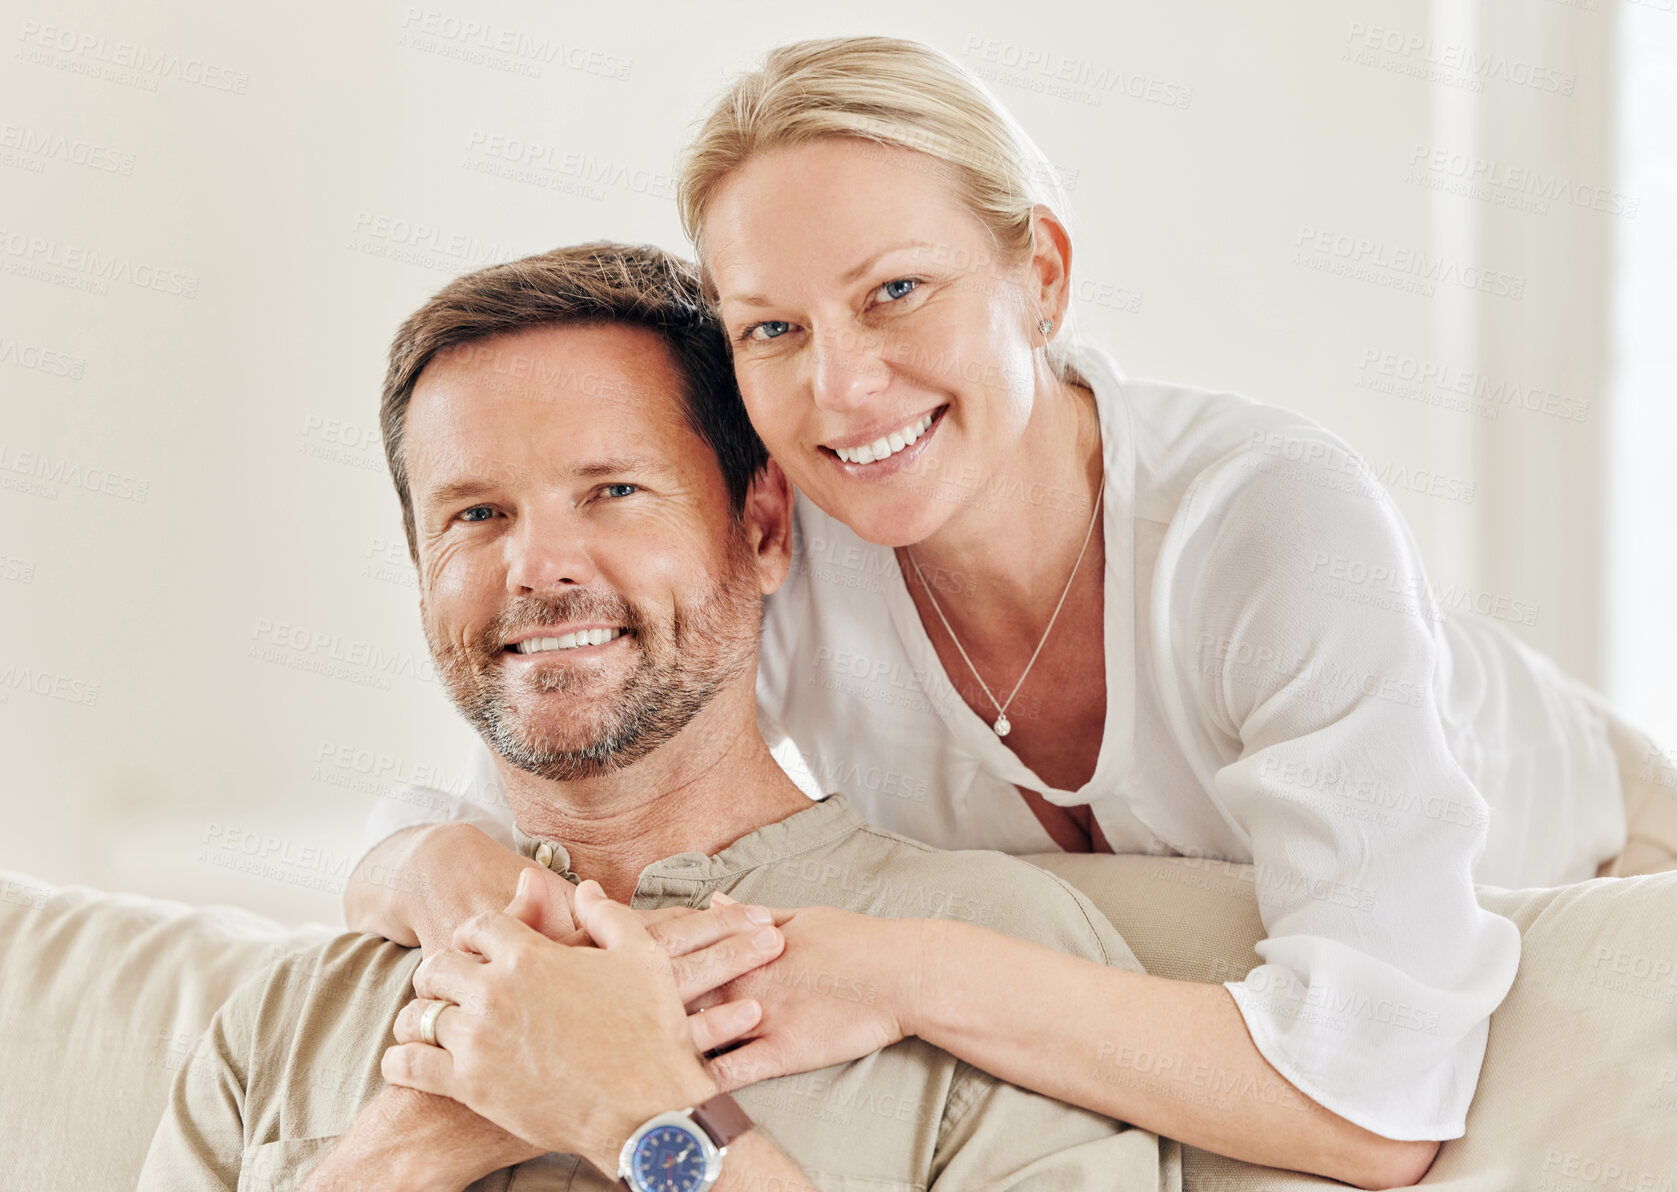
(988, 512)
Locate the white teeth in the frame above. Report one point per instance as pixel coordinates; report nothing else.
(889, 445)
(567, 641)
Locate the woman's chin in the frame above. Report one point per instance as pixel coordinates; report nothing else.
(891, 519)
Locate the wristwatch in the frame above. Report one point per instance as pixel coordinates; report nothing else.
(682, 1151)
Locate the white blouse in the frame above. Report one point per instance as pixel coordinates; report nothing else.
(1283, 687)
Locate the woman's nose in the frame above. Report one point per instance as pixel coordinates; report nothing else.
(847, 371)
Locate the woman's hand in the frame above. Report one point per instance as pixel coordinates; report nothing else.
(845, 987)
(707, 950)
(570, 1048)
(418, 885)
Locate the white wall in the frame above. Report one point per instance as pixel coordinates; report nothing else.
(310, 178)
(1641, 482)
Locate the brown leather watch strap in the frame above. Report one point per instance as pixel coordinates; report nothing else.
(722, 1118)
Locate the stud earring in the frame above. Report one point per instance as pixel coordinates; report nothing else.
(1046, 326)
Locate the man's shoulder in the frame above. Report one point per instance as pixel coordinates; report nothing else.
(351, 980)
(309, 1032)
(876, 872)
(348, 956)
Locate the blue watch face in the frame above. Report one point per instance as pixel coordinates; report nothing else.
(669, 1159)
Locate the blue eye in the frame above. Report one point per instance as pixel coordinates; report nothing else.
(621, 490)
(902, 287)
(486, 511)
(771, 329)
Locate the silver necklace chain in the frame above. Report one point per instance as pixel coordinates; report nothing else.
(1002, 725)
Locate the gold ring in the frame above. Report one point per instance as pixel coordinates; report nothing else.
(428, 1022)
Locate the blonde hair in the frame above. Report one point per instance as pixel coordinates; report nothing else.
(890, 91)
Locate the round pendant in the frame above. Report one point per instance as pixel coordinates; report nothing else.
(1002, 726)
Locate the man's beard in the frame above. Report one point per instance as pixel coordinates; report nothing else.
(704, 645)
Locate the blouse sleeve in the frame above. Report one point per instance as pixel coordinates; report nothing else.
(478, 798)
(1306, 647)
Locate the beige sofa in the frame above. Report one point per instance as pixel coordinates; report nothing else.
(102, 997)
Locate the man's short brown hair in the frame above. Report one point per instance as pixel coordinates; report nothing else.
(602, 282)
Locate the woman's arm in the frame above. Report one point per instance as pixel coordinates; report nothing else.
(1169, 1056)
(417, 885)
(1173, 1057)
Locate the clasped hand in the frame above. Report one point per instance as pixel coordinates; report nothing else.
(570, 1045)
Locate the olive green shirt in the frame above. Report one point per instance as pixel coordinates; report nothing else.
(294, 1054)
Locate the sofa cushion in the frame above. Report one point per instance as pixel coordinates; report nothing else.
(102, 996)
(1579, 1084)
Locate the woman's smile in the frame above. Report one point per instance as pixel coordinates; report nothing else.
(886, 454)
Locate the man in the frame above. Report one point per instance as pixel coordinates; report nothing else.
(594, 523)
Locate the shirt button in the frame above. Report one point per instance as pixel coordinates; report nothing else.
(544, 856)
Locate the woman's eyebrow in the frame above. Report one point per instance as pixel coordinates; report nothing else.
(745, 300)
(850, 275)
(856, 273)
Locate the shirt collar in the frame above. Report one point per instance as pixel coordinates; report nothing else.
(817, 825)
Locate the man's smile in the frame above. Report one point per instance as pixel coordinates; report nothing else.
(543, 641)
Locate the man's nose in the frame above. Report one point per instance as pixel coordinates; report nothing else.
(848, 371)
(548, 551)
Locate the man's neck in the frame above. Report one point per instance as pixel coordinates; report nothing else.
(712, 784)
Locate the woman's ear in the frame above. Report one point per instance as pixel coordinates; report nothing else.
(1050, 281)
(768, 524)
